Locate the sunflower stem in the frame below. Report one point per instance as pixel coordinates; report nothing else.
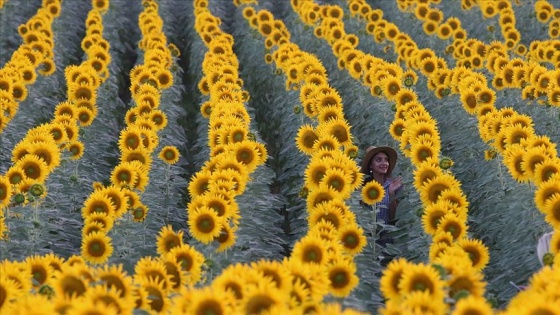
(501, 174)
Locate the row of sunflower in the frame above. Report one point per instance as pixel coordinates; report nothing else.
(32, 282)
(527, 156)
(213, 213)
(331, 175)
(34, 55)
(546, 13)
(534, 78)
(43, 147)
(137, 141)
(76, 287)
(445, 215)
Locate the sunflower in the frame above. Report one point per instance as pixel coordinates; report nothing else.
(352, 238)
(421, 277)
(168, 239)
(227, 237)
(40, 270)
(342, 277)
(546, 170)
(157, 298)
(433, 188)
(205, 224)
(513, 157)
(139, 154)
(125, 174)
(326, 212)
(189, 259)
(423, 150)
(33, 167)
(139, 212)
(338, 180)
(262, 297)
(96, 248)
(248, 153)
(320, 195)
(169, 154)
(478, 253)
(199, 183)
(424, 172)
(5, 192)
(10, 293)
(433, 215)
(372, 192)
(397, 128)
(462, 281)
(472, 305)
(97, 219)
(76, 149)
(392, 276)
(209, 301)
(150, 268)
(274, 271)
(422, 302)
(235, 277)
(118, 198)
(70, 282)
(99, 202)
(532, 157)
(551, 209)
(453, 224)
(310, 250)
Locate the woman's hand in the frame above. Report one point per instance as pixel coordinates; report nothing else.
(394, 185)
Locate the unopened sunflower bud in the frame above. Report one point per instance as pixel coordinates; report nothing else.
(446, 163)
(408, 81)
(19, 198)
(37, 190)
(548, 259)
(303, 192)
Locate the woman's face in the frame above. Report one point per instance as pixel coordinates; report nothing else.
(380, 163)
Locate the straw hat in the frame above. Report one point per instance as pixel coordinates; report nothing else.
(372, 151)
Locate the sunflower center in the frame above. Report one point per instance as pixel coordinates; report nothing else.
(132, 142)
(373, 193)
(205, 224)
(339, 279)
(124, 177)
(170, 155)
(73, 286)
(14, 179)
(31, 171)
(96, 249)
(350, 241)
(138, 214)
(259, 304)
(75, 150)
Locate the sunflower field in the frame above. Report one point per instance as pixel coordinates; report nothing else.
(204, 156)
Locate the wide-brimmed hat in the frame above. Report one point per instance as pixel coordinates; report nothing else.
(372, 151)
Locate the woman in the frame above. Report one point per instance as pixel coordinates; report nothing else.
(378, 163)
